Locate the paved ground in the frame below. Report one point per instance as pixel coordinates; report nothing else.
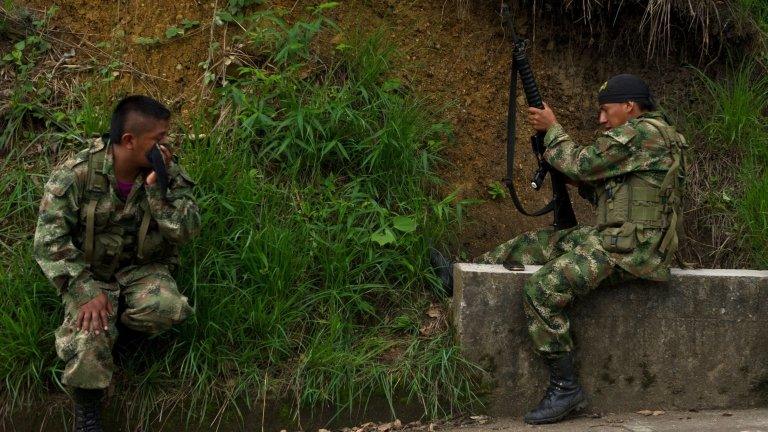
(754, 420)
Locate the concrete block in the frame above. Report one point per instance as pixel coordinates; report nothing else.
(697, 342)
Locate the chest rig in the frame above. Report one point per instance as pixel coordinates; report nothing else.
(97, 188)
(643, 201)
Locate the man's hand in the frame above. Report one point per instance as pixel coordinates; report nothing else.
(94, 315)
(152, 177)
(541, 119)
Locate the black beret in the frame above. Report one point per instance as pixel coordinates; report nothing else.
(624, 88)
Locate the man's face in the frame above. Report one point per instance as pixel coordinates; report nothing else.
(146, 133)
(614, 114)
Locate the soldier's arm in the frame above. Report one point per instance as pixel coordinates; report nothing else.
(176, 214)
(60, 260)
(604, 158)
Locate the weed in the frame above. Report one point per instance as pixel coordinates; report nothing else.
(496, 191)
(733, 125)
(310, 278)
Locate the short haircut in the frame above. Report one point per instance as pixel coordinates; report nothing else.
(135, 104)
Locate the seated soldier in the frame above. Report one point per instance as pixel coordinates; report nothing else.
(110, 223)
(634, 173)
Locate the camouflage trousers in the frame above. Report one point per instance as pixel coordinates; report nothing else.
(573, 264)
(153, 304)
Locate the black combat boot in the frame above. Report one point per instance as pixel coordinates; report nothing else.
(87, 410)
(443, 269)
(564, 394)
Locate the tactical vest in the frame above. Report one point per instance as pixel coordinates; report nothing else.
(97, 186)
(634, 202)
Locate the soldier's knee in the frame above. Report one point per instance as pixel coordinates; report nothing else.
(158, 313)
(87, 357)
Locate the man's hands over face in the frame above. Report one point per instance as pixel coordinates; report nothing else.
(94, 315)
(152, 177)
(541, 119)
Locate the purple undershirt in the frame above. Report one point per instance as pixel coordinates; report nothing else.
(124, 189)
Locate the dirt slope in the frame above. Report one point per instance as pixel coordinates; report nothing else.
(461, 57)
(453, 56)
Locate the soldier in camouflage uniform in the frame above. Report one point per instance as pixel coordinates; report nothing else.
(109, 230)
(634, 173)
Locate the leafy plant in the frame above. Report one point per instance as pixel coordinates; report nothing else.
(236, 7)
(144, 40)
(497, 191)
(734, 124)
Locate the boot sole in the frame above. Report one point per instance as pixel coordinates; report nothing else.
(580, 406)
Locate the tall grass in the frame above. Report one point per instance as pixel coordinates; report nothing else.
(310, 278)
(736, 124)
(755, 11)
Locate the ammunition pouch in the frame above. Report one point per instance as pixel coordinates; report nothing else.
(630, 199)
(629, 205)
(621, 239)
(107, 251)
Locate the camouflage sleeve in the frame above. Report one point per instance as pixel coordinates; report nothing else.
(60, 260)
(176, 214)
(605, 158)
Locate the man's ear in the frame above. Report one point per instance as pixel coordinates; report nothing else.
(128, 140)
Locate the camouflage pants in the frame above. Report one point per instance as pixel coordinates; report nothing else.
(153, 304)
(574, 263)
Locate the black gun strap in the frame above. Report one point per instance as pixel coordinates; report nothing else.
(509, 181)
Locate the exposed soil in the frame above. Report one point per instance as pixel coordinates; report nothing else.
(462, 57)
(454, 56)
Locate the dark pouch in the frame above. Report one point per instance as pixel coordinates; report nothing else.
(107, 250)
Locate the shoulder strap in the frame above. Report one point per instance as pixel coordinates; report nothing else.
(676, 145)
(143, 229)
(97, 185)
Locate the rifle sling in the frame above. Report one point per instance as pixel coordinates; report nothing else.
(511, 129)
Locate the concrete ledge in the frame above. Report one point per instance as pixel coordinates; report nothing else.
(699, 341)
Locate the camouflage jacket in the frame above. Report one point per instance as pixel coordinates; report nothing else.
(61, 225)
(635, 150)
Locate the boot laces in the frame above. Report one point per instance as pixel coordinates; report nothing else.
(552, 389)
(88, 418)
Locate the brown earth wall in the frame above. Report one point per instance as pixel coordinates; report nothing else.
(456, 56)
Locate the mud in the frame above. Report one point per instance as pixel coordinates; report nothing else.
(56, 415)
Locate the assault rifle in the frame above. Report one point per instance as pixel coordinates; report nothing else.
(561, 201)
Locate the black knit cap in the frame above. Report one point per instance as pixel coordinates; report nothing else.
(624, 88)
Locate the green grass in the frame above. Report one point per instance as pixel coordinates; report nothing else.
(310, 278)
(755, 10)
(735, 125)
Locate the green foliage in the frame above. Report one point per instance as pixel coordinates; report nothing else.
(310, 278)
(144, 40)
(756, 10)
(236, 7)
(738, 125)
(173, 31)
(739, 101)
(286, 44)
(497, 191)
(188, 24)
(28, 94)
